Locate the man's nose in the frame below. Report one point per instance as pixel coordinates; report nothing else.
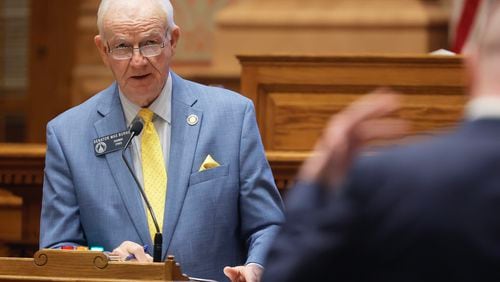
(137, 58)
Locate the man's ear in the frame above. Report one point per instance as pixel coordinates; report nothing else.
(174, 38)
(102, 48)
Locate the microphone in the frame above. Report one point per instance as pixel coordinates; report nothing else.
(135, 129)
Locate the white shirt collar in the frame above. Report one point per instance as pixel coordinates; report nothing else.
(485, 107)
(162, 106)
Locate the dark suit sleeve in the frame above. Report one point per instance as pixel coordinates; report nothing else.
(315, 244)
(60, 221)
(261, 208)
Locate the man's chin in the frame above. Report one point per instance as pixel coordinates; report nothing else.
(140, 82)
(142, 97)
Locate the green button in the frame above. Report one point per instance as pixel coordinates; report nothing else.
(97, 248)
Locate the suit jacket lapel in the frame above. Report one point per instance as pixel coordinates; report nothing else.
(184, 138)
(114, 121)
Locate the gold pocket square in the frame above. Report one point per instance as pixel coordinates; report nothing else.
(208, 163)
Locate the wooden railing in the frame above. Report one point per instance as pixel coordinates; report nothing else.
(21, 173)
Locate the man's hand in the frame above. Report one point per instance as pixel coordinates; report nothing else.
(128, 248)
(248, 273)
(346, 132)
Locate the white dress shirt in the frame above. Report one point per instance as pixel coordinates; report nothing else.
(486, 107)
(162, 109)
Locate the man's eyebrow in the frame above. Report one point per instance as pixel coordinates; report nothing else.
(146, 35)
(118, 38)
(151, 34)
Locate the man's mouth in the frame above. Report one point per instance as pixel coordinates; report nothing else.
(140, 77)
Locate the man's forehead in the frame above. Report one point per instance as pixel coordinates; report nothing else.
(128, 14)
(117, 26)
(137, 7)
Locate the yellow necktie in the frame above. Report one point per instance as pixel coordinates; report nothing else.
(153, 170)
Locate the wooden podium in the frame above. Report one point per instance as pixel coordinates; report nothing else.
(62, 265)
(295, 96)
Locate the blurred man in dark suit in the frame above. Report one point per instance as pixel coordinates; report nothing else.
(424, 212)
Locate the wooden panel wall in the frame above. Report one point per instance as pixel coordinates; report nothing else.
(51, 57)
(89, 73)
(295, 95)
(320, 27)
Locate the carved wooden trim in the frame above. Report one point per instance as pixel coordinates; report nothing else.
(64, 265)
(21, 165)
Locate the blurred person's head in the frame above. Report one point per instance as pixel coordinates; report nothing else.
(484, 58)
(137, 40)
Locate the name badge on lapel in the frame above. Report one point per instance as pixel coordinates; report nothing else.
(110, 143)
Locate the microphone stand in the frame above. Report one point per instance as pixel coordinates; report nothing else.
(158, 239)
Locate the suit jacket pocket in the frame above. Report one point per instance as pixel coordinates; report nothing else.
(209, 174)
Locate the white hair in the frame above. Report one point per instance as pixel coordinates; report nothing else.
(164, 4)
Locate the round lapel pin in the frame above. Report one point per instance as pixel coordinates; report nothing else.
(192, 120)
(100, 147)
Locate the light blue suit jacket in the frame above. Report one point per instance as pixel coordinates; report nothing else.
(223, 216)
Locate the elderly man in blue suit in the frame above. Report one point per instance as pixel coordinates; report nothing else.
(425, 212)
(199, 158)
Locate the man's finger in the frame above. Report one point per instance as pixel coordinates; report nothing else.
(131, 248)
(138, 251)
(122, 249)
(119, 252)
(232, 273)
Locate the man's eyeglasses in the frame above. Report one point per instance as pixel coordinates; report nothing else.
(125, 53)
